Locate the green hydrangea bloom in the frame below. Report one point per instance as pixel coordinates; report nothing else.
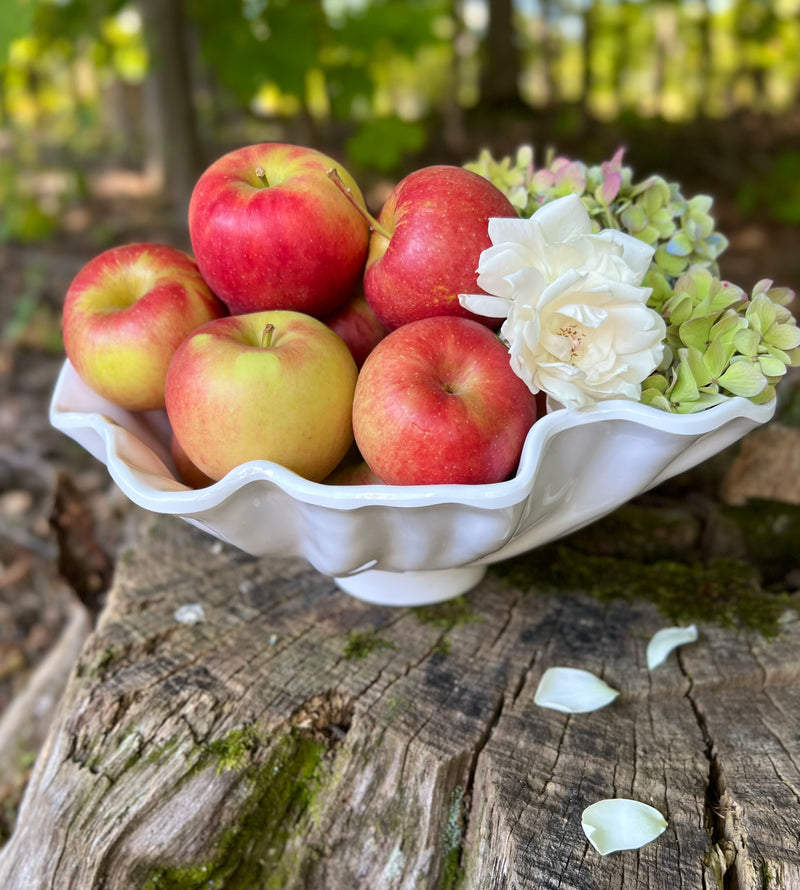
(681, 230)
(720, 342)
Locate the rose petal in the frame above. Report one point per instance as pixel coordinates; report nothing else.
(481, 304)
(665, 640)
(552, 266)
(564, 218)
(636, 253)
(621, 824)
(507, 229)
(573, 691)
(189, 613)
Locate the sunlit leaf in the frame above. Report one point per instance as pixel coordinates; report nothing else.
(14, 23)
(382, 143)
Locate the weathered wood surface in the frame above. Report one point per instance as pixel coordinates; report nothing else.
(298, 738)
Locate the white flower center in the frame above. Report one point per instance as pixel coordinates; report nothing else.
(577, 321)
(574, 335)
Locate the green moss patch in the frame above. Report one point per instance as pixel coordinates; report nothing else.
(700, 562)
(447, 615)
(232, 752)
(452, 871)
(255, 854)
(361, 643)
(724, 590)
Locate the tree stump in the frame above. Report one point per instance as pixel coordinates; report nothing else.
(241, 723)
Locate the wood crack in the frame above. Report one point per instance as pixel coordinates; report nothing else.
(718, 808)
(466, 809)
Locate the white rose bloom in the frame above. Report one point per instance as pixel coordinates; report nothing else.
(576, 317)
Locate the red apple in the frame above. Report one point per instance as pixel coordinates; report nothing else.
(274, 386)
(438, 402)
(357, 325)
(126, 312)
(187, 472)
(426, 245)
(271, 230)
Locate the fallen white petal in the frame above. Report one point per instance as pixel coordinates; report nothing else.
(573, 691)
(621, 824)
(665, 640)
(191, 613)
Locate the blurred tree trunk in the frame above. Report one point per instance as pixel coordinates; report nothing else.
(174, 154)
(3, 102)
(755, 25)
(665, 46)
(706, 26)
(587, 42)
(122, 109)
(550, 52)
(454, 131)
(501, 70)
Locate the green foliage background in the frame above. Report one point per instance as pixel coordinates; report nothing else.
(380, 79)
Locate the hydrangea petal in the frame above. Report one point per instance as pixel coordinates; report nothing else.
(573, 691)
(665, 640)
(621, 824)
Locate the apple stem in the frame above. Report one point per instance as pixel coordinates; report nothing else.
(375, 226)
(261, 174)
(266, 336)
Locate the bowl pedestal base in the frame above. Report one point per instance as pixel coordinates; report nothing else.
(421, 588)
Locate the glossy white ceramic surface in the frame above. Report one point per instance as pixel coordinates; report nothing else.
(576, 467)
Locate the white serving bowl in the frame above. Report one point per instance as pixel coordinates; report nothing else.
(410, 545)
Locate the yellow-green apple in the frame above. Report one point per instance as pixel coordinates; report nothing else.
(426, 244)
(353, 474)
(353, 470)
(270, 230)
(356, 323)
(124, 315)
(274, 386)
(438, 402)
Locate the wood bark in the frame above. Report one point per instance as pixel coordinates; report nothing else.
(298, 738)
